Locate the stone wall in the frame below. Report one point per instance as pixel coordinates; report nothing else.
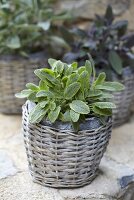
(86, 9)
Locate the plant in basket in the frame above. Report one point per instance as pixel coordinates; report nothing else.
(28, 35)
(111, 47)
(67, 123)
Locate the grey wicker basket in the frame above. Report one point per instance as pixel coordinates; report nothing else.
(15, 72)
(61, 158)
(124, 99)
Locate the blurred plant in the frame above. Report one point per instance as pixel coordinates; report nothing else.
(70, 94)
(28, 26)
(108, 43)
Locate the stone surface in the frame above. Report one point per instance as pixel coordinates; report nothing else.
(20, 187)
(86, 9)
(115, 180)
(9, 126)
(6, 165)
(11, 138)
(121, 148)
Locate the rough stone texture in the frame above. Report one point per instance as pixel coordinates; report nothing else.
(123, 143)
(11, 138)
(88, 8)
(6, 165)
(115, 179)
(21, 187)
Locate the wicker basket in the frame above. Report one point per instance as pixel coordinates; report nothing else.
(15, 72)
(61, 157)
(124, 99)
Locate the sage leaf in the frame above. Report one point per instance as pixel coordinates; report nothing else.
(44, 25)
(24, 93)
(66, 116)
(32, 86)
(43, 85)
(84, 80)
(71, 90)
(94, 93)
(105, 105)
(79, 107)
(72, 78)
(37, 114)
(74, 116)
(115, 62)
(52, 105)
(43, 104)
(100, 79)
(110, 86)
(74, 65)
(53, 114)
(52, 62)
(104, 112)
(45, 94)
(14, 42)
(88, 67)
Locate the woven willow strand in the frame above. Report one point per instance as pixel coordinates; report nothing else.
(124, 99)
(63, 158)
(14, 74)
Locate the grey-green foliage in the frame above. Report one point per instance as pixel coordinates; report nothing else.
(70, 94)
(28, 26)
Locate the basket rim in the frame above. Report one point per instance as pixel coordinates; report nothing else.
(40, 125)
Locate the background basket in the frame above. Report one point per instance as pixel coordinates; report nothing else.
(15, 72)
(124, 99)
(62, 158)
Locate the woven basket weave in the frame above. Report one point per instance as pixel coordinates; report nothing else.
(124, 99)
(63, 158)
(15, 72)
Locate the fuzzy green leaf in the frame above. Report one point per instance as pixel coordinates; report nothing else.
(53, 114)
(105, 105)
(43, 104)
(74, 65)
(52, 62)
(32, 97)
(66, 116)
(68, 70)
(84, 80)
(79, 107)
(104, 112)
(71, 90)
(24, 93)
(81, 69)
(115, 62)
(39, 74)
(43, 85)
(106, 95)
(88, 67)
(37, 114)
(32, 86)
(110, 86)
(52, 105)
(72, 78)
(45, 94)
(48, 74)
(44, 25)
(100, 79)
(14, 42)
(74, 116)
(59, 67)
(94, 93)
